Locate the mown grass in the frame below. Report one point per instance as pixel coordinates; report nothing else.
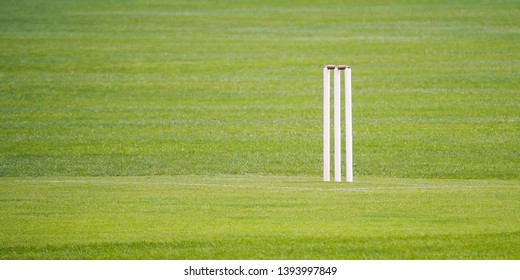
(228, 87)
(180, 91)
(190, 217)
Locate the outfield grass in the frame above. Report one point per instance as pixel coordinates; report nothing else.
(229, 217)
(100, 100)
(165, 88)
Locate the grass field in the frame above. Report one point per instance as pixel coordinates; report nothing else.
(228, 217)
(192, 130)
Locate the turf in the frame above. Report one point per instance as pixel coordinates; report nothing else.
(180, 91)
(253, 217)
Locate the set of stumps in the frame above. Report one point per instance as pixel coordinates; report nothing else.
(337, 123)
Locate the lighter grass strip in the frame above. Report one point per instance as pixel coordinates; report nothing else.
(218, 185)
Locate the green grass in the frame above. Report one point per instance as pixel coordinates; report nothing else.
(101, 92)
(229, 217)
(163, 88)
